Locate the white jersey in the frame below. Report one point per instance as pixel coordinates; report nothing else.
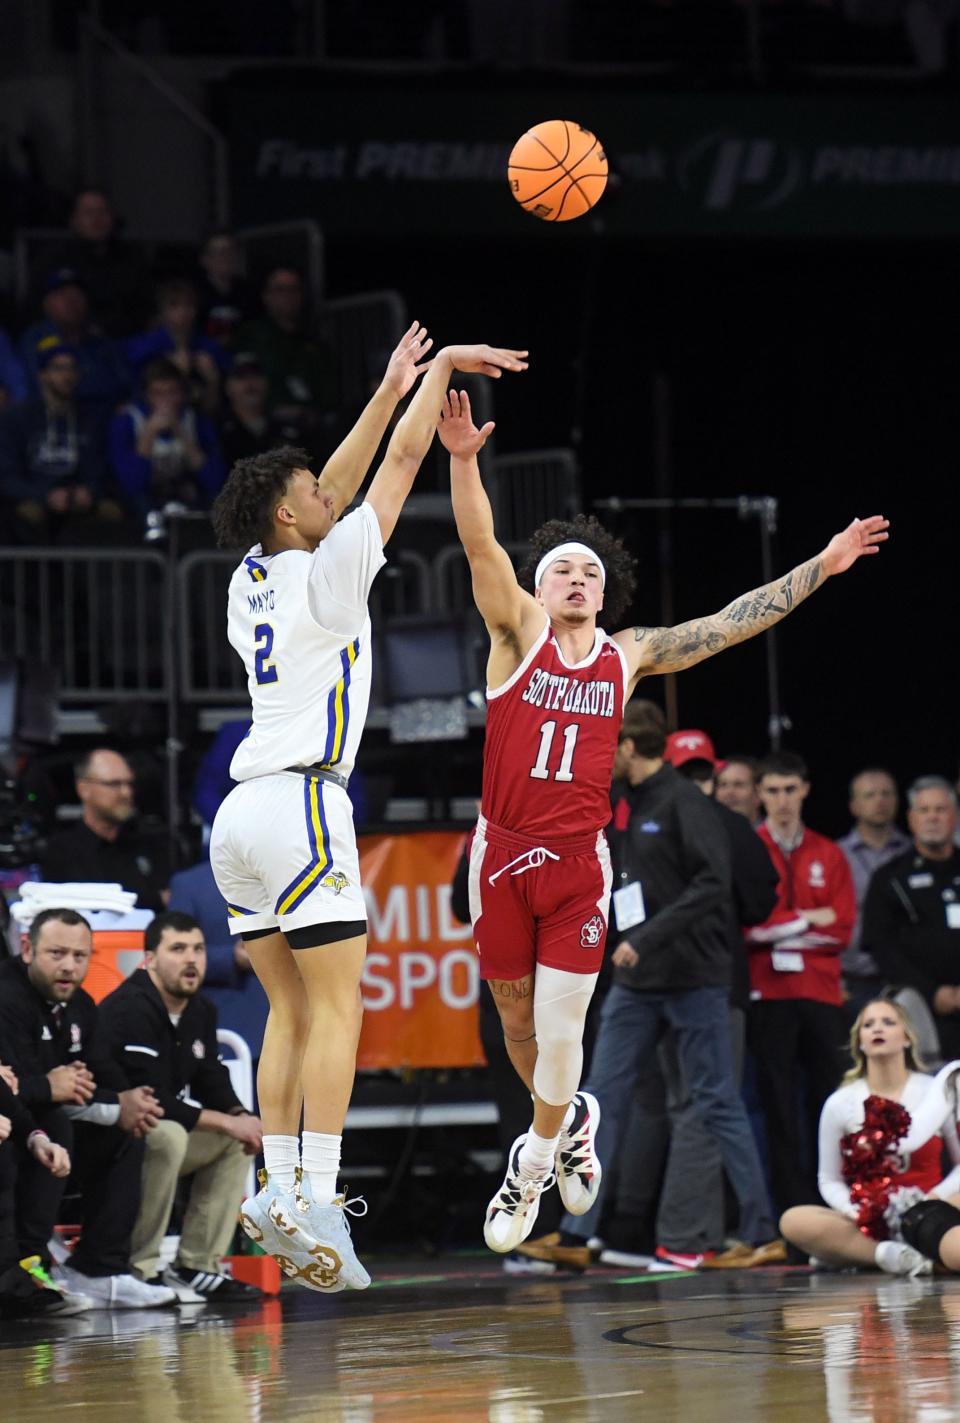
(300, 622)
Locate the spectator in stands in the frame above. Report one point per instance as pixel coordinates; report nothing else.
(298, 367)
(230, 983)
(247, 427)
(25, 1288)
(737, 787)
(163, 451)
(112, 271)
(671, 862)
(226, 298)
(52, 457)
(690, 1223)
(874, 840)
(13, 378)
(163, 1032)
(177, 335)
(106, 847)
(911, 917)
(796, 1025)
(49, 1033)
(105, 379)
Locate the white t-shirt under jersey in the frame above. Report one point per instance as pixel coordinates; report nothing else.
(300, 623)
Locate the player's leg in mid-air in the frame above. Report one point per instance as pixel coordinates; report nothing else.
(541, 971)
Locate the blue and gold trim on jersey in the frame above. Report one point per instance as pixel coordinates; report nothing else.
(321, 861)
(256, 570)
(338, 707)
(237, 911)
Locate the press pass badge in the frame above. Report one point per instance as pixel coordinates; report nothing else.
(787, 961)
(628, 906)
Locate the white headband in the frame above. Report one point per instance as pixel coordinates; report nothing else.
(561, 551)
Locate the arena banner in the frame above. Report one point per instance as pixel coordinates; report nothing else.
(392, 155)
(421, 980)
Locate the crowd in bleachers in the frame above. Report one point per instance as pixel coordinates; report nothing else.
(127, 389)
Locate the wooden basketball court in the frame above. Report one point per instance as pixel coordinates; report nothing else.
(458, 1340)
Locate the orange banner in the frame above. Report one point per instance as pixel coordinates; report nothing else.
(422, 977)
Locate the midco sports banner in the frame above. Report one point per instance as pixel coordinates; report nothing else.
(421, 980)
(393, 154)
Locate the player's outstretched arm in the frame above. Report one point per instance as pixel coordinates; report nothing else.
(415, 430)
(346, 469)
(655, 650)
(501, 602)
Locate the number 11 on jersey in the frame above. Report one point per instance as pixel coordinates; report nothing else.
(540, 771)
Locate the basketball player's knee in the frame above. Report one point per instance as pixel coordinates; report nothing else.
(516, 1019)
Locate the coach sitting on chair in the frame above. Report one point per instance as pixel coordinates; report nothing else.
(163, 1032)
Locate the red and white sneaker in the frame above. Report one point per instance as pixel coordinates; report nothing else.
(578, 1171)
(683, 1259)
(514, 1209)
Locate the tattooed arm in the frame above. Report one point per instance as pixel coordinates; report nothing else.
(657, 650)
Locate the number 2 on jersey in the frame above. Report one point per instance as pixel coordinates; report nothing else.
(266, 671)
(540, 771)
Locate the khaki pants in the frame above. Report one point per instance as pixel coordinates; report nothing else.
(218, 1165)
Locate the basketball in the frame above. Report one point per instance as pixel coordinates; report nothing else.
(557, 170)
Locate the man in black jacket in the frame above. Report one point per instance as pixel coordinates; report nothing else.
(163, 1033)
(911, 915)
(671, 968)
(48, 1033)
(665, 1124)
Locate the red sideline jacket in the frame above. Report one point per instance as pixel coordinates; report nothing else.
(813, 876)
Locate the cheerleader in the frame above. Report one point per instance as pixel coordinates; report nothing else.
(854, 1173)
(933, 1226)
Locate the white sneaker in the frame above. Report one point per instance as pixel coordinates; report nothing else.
(255, 1219)
(186, 1294)
(117, 1291)
(899, 1259)
(579, 1173)
(512, 1213)
(317, 1250)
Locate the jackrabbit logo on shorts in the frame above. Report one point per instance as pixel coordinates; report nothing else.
(591, 933)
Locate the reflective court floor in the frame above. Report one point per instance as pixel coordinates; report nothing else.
(458, 1340)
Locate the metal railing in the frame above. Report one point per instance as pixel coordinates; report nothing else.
(98, 616)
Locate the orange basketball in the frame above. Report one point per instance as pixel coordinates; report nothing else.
(557, 170)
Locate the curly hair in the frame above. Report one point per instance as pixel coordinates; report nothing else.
(619, 564)
(242, 512)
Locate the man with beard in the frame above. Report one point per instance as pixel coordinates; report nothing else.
(105, 847)
(163, 1033)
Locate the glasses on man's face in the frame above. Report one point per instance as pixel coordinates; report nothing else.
(125, 783)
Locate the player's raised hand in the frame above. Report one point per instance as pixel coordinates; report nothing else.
(458, 433)
(407, 361)
(487, 360)
(862, 536)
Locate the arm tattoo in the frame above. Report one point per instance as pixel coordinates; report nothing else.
(671, 649)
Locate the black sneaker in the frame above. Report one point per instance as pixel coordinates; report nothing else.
(28, 1292)
(215, 1289)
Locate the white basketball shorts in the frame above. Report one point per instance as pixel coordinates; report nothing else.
(284, 854)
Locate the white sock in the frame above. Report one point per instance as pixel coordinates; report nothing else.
(281, 1156)
(321, 1162)
(536, 1155)
(568, 1119)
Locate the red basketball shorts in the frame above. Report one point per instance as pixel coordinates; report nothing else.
(538, 904)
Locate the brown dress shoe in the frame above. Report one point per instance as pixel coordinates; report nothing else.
(773, 1253)
(738, 1257)
(548, 1247)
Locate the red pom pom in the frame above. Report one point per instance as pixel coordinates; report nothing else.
(870, 1162)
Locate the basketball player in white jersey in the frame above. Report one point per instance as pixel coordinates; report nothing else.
(283, 847)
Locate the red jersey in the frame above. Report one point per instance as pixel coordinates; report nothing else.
(552, 733)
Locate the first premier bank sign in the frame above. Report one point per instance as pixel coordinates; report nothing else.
(365, 155)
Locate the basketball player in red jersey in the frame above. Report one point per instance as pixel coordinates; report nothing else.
(539, 866)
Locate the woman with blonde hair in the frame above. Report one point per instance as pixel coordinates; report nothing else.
(864, 1175)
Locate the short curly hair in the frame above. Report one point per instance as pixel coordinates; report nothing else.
(242, 512)
(619, 564)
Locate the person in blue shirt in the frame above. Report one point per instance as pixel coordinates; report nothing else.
(52, 458)
(105, 380)
(161, 449)
(177, 335)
